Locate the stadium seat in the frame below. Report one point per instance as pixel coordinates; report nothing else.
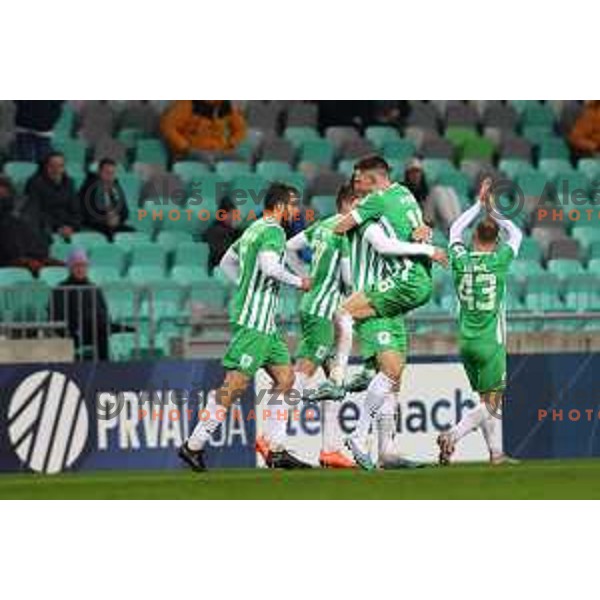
(297, 180)
(229, 169)
(52, 276)
(319, 152)
(298, 136)
(346, 167)
(277, 149)
(169, 240)
(339, 135)
(103, 275)
(191, 274)
(148, 254)
(553, 148)
(356, 149)
(553, 167)
(502, 116)
(189, 170)
(564, 248)
(327, 184)
(479, 148)
(273, 169)
(127, 239)
(564, 268)
(530, 250)
(543, 301)
(88, 239)
(209, 189)
(433, 167)
(460, 136)
(538, 115)
(263, 115)
(14, 275)
(19, 172)
(324, 205)
(532, 184)
(380, 135)
(437, 148)
(513, 167)
(109, 255)
(457, 180)
(399, 149)
(151, 151)
(74, 150)
(590, 167)
(146, 274)
(515, 147)
(573, 184)
(526, 268)
(302, 114)
(248, 192)
(191, 254)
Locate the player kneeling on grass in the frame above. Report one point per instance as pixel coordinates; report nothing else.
(330, 276)
(480, 279)
(254, 263)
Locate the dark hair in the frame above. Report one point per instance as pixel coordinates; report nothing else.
(52, 154)
(278, 193)
(106, 162)
(345, 192)
(487, 231)
(373, 162)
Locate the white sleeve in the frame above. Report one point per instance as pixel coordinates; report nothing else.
(230, 265)
(293, 246)
(463, 222)
(269, 264)
(376, 236)
(514, 235)
(346, 273)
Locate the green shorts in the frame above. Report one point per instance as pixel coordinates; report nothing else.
(377, 335)
(318, 338)
(392, 296)
(249, 350)
(485, 364)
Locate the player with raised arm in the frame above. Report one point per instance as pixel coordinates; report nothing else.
(479, 275)
(255, 264)
(394, 276)
(330, 276)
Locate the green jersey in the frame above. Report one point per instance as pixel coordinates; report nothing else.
(328, 249)
(367, 266)
(255, 302)
(397, 211)
(480, 282)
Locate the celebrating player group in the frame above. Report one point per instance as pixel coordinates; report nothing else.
(371, 265)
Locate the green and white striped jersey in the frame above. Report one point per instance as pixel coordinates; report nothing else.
(397, 211)
(328, 249)
(257, 297)
(367, 266)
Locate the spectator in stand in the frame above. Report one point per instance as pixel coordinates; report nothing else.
(34, 121)
(203, 129)
(103, 202)
(440, 205)
(585, 135)
(220, 234)
(81, 305)
(21, 244)
(52, 201)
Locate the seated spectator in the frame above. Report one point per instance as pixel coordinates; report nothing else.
(51, 197)
(415, 181)
(81, 305)
(102, 201)
(34, 121)
(220, 234)
(585, 135)
(205, 129)
(21, 244)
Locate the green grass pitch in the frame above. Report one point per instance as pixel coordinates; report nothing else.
(564, 479)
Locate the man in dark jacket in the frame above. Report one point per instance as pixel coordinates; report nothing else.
(21, 244)
(220, 234)
(102, 201)
(51, 198)
(34, 121)
(81, 305)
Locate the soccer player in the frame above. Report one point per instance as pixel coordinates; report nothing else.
(330, 276)
(394, 276)
(479, 277)
(255, 264)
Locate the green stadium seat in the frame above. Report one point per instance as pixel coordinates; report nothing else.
(553, 167)
(554, 148)
(324, 205)
(248, 193)
(564, 268)
(129, 137)
(346, 167)
(586, 235)
(74, 150)
(149, 254)
(379, 135)
(399, 149)
(188, 170)
(146, 274)
(52, 276)
(191, 273)
(151, 151)
(513, 167)
(294, 179)
(320, 152)
(14, 275)
(169, 240)
(128, 239)
(105, 274)
(479, 148)
(132, 185)
(122, 346)
(88, 239)
(23, 301)
(246, 149)
(594, 266)
(571, 184)
(229, 169)
(272, 170)
(532, 184)
(109, 255)
(537, 135)
(537, 114)
(594, 250)
(164, 302)
(544, 283)
(543, 301)
(191, 254)
(590, 167)
(457, 180)
(60, 249)
(298, 136)
(524, 268)
(530, 249)
(19, 172)
(66, 121)
(581, 292)
(434, 167)
(209, 189)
